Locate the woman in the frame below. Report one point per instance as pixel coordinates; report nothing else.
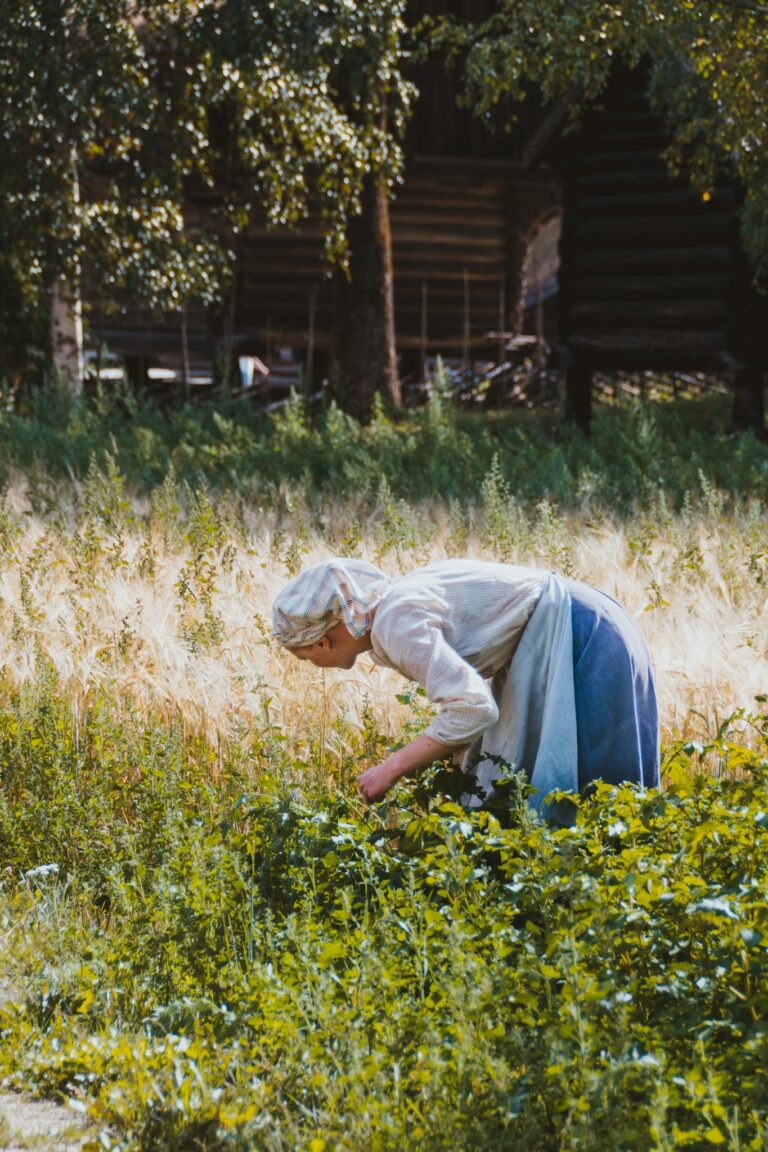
(540, 672)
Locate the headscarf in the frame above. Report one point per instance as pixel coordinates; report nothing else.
(325, 594)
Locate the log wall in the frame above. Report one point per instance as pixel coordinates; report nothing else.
(652, 274)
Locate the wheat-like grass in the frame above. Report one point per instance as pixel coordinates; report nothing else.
(127, 606)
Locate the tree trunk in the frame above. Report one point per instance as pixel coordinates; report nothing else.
(366, 359)
(67, 332)
(67, 305)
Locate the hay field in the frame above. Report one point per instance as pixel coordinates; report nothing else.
(165, 601)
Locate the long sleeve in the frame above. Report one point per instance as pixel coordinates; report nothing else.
(411, 640)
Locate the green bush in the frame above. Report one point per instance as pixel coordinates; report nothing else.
(633, 455)
(217, 959)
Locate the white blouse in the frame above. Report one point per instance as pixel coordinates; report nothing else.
(450, 627)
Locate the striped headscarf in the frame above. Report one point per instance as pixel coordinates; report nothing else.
(325, 594)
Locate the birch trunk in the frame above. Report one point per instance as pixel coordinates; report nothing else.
(67, 332)
(67, 304)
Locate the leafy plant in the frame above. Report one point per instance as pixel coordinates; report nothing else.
(234, 963)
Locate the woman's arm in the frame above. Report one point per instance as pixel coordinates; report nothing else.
(377, 781)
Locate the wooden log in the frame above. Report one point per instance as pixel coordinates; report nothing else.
(447, 260)
(642, 119)
(646, 348)
(613, 287)
(443, 237)
(601, 161)
(656, 231)
(445, 340)
(679, 315)
(710, 259)
(427, 215)
(637, 179)
(626, 134)
(668, 203)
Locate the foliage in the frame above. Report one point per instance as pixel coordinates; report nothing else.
(305, 89)
(138, 138)
(230, 960)
(709, 75)
(634, 457)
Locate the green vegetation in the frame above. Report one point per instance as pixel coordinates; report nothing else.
(135, 110)
(206, 940)
(633, 454)
(207, 957)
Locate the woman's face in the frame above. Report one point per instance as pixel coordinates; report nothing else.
(337, 649)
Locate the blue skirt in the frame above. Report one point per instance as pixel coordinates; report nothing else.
(616, 713)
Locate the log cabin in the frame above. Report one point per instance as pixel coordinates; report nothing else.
(457, 230)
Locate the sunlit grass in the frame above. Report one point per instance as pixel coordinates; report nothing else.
(167, 601)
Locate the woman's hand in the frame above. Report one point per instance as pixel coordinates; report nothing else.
(375, 782)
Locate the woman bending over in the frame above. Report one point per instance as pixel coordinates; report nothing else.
(539, 671)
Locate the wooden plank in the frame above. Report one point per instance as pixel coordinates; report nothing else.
(139, 341)
(659, 231)
(682, 315)
(612, 287)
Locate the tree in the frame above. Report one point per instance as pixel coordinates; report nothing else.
(317, 106)
(84, 180)
(115, 115)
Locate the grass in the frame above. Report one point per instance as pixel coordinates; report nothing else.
(212, 944)
(165, 598)
(244, 958)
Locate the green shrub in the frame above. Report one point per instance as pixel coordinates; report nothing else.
(632, 456)
(217, 960)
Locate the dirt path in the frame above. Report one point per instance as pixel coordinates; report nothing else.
(38, 1124)
(35, 1124)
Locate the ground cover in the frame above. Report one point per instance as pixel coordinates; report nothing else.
(208, 942)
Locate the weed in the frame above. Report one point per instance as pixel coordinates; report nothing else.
(238, 965)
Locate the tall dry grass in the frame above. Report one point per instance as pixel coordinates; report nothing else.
(166, 601)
